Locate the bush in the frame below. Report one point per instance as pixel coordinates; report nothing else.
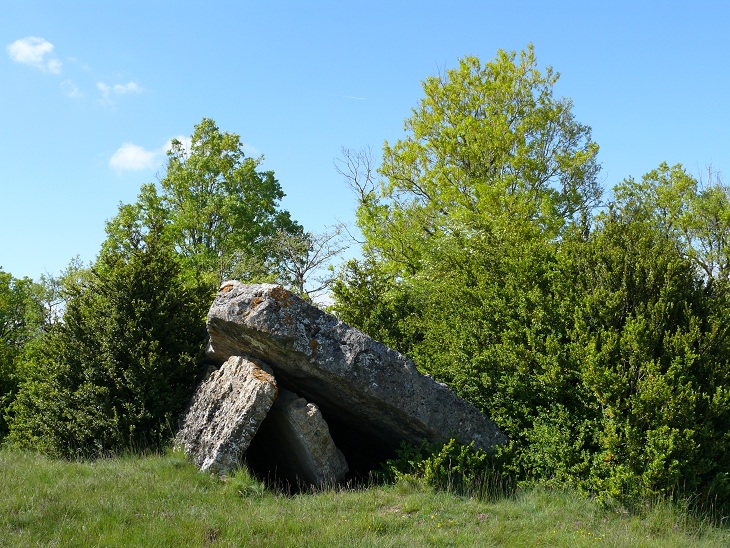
(604, 358)
(451, 466)
(116, 372)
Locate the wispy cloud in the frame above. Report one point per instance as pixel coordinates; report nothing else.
(70, 89)
(36, 52)
(109, 91)
(39, 53)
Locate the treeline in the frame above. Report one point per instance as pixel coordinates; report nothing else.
(592, 328)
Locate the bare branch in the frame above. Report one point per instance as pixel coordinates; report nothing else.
(357, 169)
(304, 258)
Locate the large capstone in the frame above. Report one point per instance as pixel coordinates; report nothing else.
(372, 397)
(225, 413)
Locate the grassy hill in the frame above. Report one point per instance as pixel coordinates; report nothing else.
(162, 500)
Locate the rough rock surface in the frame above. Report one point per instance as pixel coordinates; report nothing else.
(225, 413)
(294, 443)
(371, 391)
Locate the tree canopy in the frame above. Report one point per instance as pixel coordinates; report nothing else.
(221, 212)
(489, 146)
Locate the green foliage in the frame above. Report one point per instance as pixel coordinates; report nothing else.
(604, 359)
(600, 346)
(650, 341)
(117, 370)
(488, 148)
(223, 212)
(450, 466)
(21, 320)
(220, 213)
(695, 217)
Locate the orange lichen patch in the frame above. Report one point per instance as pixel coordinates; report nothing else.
(225, 288)
(263, 376)
(253, 303)
(313, 345)
(282, 297)
(288, 320)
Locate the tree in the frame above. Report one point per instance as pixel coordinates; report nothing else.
(491, 161)
(488, 147)
(303, 259)
(695, 217)
(21, 320)
(222, 211)
(117, 370)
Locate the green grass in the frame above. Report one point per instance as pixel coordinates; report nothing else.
(164, 501)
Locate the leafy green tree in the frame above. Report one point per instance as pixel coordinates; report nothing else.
(491, 160)
(695, 217)
(115, 373)
(21, 320)
(489, 147)
(222, 211)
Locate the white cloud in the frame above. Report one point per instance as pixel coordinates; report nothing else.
(131, 157)
(129, 87)
(117, 89)
(36, 52)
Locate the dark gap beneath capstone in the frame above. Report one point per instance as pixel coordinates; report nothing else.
(364, 452)
(270, 461)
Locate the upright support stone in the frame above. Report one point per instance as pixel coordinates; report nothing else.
(294, 444)
(226, 412)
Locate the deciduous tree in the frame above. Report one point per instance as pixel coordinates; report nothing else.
(489, 147)
(222, 210)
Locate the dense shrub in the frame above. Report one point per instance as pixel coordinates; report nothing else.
(604, 357)
(450, 466)
(116, 372)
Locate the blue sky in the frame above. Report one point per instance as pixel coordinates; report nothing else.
(91, 92)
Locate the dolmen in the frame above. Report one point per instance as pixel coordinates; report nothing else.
(305, 398)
